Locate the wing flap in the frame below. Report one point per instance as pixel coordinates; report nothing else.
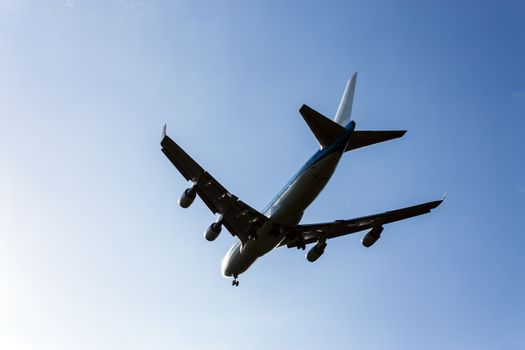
(238, 217)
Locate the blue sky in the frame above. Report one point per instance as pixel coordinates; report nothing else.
(95, 252)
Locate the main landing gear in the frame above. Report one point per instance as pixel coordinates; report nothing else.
(235, 282)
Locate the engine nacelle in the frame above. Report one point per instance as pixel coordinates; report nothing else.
(213, 231)
(371, 236)
(316, 252)
(187, 197)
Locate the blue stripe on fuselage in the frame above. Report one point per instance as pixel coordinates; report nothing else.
(338, 146)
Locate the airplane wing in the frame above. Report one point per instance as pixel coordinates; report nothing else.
(312, 233)
(239, 218)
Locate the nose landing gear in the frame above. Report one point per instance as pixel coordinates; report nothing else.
(235, 282)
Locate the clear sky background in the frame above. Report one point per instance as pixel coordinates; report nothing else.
(96, 254)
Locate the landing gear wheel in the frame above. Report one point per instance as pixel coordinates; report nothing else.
(235, 282)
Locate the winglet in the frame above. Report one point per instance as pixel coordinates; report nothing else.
(163, 132)
(444, 196)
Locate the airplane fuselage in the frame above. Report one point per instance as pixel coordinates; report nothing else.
(287, 208)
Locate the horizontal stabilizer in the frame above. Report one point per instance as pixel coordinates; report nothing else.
(325, 130)
(360, 139)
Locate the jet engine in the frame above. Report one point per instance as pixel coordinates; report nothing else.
(316, 252)
(187, 197)
(213, 231)
(371, 236)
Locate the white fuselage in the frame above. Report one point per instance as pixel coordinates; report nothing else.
(286, 210)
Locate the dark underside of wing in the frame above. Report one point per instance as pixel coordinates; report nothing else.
(238, 217)
(311, 233)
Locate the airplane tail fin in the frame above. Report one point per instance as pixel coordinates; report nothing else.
(344, 111)
(325, 130)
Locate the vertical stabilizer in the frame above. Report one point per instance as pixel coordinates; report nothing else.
(342, 117)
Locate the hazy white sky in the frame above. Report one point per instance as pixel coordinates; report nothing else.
(96, 254)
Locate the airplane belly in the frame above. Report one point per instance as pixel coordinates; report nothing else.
(289, 208)
(236, 262)
(242, 256)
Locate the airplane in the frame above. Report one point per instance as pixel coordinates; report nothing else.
(278, 225)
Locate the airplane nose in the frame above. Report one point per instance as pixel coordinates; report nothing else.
(225, 271)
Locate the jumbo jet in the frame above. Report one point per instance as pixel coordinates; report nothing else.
(278, 225)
